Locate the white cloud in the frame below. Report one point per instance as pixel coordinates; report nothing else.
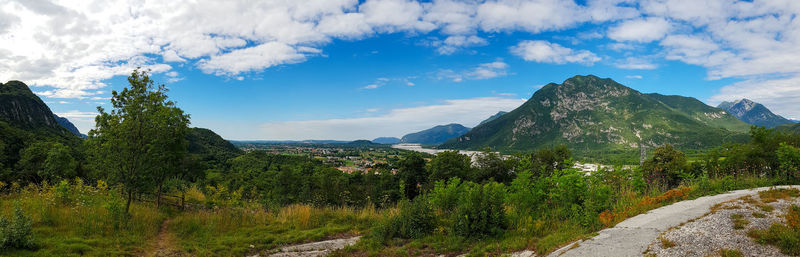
(371, 86)
(453, 43)
(640, 30)
(634, 63)
(498, 68)
(546, 52)
(84, 121)
(634, 76)
(489, 70)
(543, 15)
(397, 122)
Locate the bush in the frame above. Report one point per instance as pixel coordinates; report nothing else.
(480, 210)
(414, 220)
(16, 233)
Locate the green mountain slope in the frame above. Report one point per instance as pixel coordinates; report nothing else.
(789, 128)
(435, 135)
(593, 116)
(25, 119)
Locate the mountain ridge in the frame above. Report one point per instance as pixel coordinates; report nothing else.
(592, 114)
(753, 113)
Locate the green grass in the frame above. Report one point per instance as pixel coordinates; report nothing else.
(784, 236)
(730, 253)
(739, 222)
(77, 222)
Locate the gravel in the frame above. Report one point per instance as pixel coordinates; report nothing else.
(707, 235)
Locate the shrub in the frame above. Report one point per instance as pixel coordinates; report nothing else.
(480, 210)
(62, 193)
(16, 233)
(414, 220)
(445, 196)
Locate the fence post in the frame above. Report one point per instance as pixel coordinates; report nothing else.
(183, 200)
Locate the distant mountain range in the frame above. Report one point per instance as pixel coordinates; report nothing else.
(435, 135)
(754, 113)
(64, 122)
(386, 140)
(596, 115)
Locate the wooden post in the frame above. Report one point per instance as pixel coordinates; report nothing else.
(183, 201)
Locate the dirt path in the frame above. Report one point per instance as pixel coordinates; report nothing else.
(164, 244)
(632, 236)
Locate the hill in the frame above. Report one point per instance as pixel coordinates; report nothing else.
(210, 146)
(598, 117)
(493, 117)
(754, 113)
(789, 128)
(435, 135)
(386, 140)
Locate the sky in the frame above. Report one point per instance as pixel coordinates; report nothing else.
(350, 69)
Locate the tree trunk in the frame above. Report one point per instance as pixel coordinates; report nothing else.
(128, 204)
(158, 196)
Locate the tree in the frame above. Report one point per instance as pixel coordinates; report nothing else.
(141, 139)
(59, 164)
(412, 173)
(450, 164)
(789, 158)
(666, 166)
(492, 166)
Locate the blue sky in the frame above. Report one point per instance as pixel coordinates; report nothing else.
(293, 70)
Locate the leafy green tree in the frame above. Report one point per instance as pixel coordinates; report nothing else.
(413, 174)
(666, 166)
(789, 158)
(135, 141)
(59, 164)
(545, 161)
(492, 166)
(31, 161)
(450, 164)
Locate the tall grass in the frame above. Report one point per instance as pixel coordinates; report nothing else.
(73, 219)
(232, 231)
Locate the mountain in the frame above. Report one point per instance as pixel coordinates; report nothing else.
(598, 117)
(493, 117)
(753, 113)
(386, 140)
(210, 146)
(64, 122)
(435, 135)
(25, 119)
(19, 106)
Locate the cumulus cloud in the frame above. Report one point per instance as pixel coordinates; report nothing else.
(396, 122)
(546, 52)
(640, 30)
(498, 68)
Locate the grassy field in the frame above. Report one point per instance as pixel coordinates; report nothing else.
(73, 219)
